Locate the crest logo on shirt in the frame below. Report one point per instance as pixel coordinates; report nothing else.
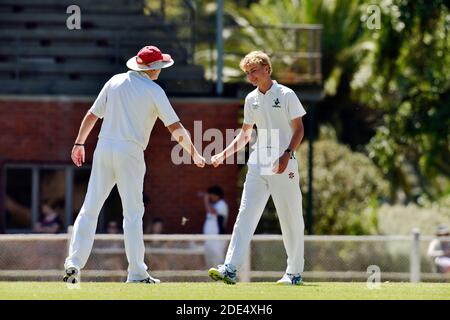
(291, 175)
(255, 105)
(276, 103)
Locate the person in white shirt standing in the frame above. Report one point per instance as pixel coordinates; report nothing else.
(272, 169)
(129, 105)
(215, 223)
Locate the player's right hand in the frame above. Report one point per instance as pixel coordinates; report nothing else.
(217, 159)
(199, 161)
(78, 155)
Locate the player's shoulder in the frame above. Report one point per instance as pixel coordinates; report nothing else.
(284, 89)
(117, 79)
(145, 81)
(252, 95)
(119, 76)
(157, 90)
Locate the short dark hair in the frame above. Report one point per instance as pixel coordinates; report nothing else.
(218, 191)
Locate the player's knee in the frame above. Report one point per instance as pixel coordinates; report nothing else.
(133, 214)
(89, 212)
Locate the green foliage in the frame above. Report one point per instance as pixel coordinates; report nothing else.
(399, 71)
(400, 220)
(347, 187)
(406, 76)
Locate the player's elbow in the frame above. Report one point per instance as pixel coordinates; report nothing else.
(246, 136)
(91, 115)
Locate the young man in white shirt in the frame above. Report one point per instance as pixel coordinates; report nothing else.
(272, 169)
(129, 105)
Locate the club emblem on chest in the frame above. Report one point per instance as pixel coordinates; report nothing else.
(276, 103)
(291, 175)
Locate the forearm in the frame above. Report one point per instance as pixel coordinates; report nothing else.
(86, 126)
(237, 144)
(182, 137)
(297, 138)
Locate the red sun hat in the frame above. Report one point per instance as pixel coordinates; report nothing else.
(149, 58)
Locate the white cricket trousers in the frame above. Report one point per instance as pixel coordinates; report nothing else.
(285, 191)
(121, 163)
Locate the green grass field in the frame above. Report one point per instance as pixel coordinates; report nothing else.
(212, 291)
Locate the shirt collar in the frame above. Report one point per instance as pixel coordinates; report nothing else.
(272, 89)
(141, 73)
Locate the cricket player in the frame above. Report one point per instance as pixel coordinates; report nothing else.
(272, 169)
(129, 105)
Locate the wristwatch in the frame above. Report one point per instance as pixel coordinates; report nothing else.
(290, 152)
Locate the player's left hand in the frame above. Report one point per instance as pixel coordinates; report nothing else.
(199, 161)
(217, 159)
(281, 164)
(78, 155)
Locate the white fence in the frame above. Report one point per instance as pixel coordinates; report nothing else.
(180, 257)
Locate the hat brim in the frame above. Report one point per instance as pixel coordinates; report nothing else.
(165, 63)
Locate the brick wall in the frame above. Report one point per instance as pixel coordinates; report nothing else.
(42, 130)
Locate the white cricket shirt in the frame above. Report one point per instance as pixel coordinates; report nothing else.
(272, 113)
(129, 105)
(211, 225)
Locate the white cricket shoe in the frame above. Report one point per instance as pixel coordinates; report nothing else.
(291, 279)
(224, 272)
(149, 280)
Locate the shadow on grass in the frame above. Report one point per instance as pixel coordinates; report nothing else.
(305, 284)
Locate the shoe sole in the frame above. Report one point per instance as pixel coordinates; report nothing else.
(71, 275)
(289, 283)
(153, 281)
(216, 276)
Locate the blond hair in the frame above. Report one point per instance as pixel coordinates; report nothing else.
(256, 57)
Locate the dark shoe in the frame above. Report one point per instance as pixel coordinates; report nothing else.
(72, 275)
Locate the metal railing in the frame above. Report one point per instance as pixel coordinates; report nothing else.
(309, 51)
(327, 258)
(299, 63)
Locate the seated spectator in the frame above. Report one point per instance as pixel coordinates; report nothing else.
(113, 227)
(157, 226)
(49, 220)
(439, 250)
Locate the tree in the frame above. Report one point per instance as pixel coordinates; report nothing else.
(347, 187)
(406, 76)
(387, 86)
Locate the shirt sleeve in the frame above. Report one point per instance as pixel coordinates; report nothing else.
(99, 106)
(248, 112)
(165, 110)
(294, 106)
(435, 249)
(222, 208)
